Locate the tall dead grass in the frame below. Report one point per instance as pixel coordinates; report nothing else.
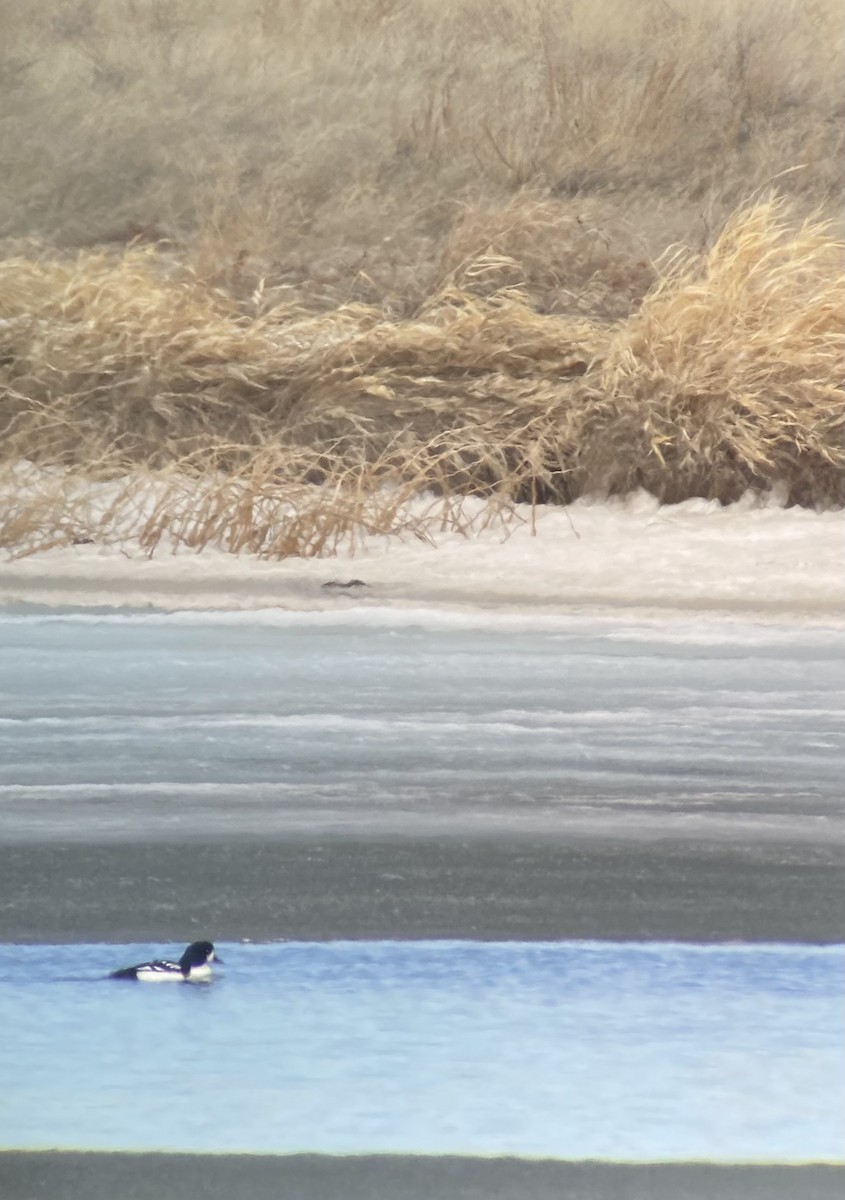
(293, 432)
(329, 144)
(299, 261)
(730, 376)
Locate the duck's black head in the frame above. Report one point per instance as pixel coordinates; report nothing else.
(197, 954)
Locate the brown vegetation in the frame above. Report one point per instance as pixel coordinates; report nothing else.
(290, 264)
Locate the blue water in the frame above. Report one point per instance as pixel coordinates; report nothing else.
(569, 1050)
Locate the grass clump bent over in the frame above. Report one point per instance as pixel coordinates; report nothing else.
(389, 256)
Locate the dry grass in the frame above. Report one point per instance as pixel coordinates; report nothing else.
(731, 374)
(294, 433)
(302, 128)
(260, 291)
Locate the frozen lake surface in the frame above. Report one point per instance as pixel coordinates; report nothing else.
(120, 723)
(571, 1050)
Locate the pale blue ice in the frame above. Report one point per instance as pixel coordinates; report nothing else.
(123, 723)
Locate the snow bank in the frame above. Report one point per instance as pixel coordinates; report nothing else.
(753, 560)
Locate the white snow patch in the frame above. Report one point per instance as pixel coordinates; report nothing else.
(754, 560)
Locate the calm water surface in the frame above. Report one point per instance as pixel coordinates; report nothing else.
(568, 1050)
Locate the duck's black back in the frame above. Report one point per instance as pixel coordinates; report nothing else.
(124, 973)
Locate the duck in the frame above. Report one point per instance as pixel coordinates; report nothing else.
(193, 967)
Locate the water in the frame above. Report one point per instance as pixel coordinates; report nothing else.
(127, 722)
(120, 724)
(570, 1050)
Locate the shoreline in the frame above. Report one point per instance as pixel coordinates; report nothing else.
(622, 560)
(81, 1175)
(246, 597)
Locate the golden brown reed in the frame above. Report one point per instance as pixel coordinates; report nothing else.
(271, 269)
(289, 432)
(730, 376)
